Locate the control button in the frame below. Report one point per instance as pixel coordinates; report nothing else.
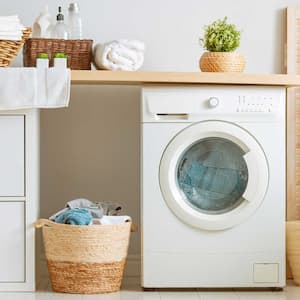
(213, 102)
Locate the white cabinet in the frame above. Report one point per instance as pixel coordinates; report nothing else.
(12, 237)
(19, 192)
(12, 154)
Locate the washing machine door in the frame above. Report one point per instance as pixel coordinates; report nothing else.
(213, 175)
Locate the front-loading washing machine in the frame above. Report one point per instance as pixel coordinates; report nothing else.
(213, 186)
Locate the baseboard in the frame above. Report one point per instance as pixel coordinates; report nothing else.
(133, 266)
(132, 269)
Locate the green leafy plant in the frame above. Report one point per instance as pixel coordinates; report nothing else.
(221, 37)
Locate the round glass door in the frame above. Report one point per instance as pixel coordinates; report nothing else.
(212, 175)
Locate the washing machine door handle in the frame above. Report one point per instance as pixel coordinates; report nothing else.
(253, 176)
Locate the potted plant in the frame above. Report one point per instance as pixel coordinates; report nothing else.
(220, 40)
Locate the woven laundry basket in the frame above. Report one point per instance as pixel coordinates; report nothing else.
(222, 62)
(10, 49)
(293, 248)
(85, 259)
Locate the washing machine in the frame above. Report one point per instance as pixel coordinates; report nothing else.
(213, 186)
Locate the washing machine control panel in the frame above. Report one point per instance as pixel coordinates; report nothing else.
(255, 104)
(192, 104)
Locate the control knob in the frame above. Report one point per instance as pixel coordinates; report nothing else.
(213, 102)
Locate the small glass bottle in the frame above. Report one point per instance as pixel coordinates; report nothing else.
(42, 26)
(74, 22)
(60, 30)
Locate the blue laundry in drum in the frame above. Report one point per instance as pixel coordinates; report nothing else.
(75, 216)
(212, 175)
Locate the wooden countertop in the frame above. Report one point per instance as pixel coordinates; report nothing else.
(152, 77)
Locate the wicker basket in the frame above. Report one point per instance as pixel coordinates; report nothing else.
(293, 248)
(10, 49)
(79, 52)
(222, 62)
(85, 259)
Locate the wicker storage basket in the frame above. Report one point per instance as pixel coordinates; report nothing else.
(79, 52)
(10, 49)
(85, 259)
(222, 62)
(293, 248)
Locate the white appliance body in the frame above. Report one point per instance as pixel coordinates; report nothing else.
(186, 243)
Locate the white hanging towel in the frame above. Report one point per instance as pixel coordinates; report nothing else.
(25, 88)
(127, 55)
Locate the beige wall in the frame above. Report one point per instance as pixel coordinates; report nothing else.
(91, 150)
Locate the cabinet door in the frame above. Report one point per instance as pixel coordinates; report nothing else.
(12, 242)
(12, 155)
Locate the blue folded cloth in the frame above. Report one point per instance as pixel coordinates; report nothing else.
(75, 216)
(97, 209)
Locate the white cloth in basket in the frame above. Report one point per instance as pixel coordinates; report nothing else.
(110, 220)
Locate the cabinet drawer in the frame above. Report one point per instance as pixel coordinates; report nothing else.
(12, 155)
(12, 242)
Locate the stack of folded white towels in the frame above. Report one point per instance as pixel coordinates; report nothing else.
(127, 55)
(11, 28)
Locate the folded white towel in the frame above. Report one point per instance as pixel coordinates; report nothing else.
(22, 88)
(109, 220)
(11, 37)
(10, 21)
(120, 55)
(11, 18)
(6, 32)
(11, 28)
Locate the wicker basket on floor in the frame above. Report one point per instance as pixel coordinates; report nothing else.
(9, 49)
(79, 52)
(85, 259)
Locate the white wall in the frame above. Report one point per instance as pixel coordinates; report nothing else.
(171, 28)
(92, 148)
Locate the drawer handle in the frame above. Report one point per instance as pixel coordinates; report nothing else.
(172, 116)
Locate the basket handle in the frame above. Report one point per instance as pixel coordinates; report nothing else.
(42, 222)
(134, 227)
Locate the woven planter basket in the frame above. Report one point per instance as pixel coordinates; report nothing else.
(79, 52)
(85, 259)
(9, 49)
(222, 62)
(293, 248)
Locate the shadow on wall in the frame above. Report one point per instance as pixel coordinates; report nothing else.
(91, 150)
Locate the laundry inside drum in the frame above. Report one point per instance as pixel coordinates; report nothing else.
(212, 175)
